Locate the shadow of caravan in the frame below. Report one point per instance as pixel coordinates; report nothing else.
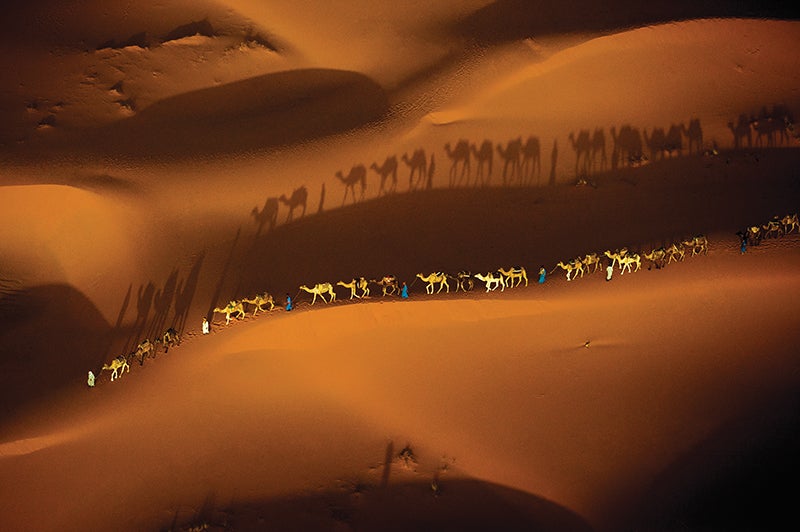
(772, 127)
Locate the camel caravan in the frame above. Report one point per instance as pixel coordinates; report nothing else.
(145, 349)
(626, 260)
(777, 227)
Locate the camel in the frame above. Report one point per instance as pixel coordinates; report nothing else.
(754, 235)
(571, 266)
(259, 301)
(267, 215)
(169, 338)
(387, 169)
(531, 160)
(514, 273)
(388, 284)
(492, 281)
(790, 223)
(657, 257)
(464, 281)
(583, 148)
(143, 350)
(233, 307)
(699, 244)
(117, 367)
(418, 163)
(676, 252)
(510, 155)
(358, 174)
(588, 260)
(483, 155)
(615, 257)
(598, 149)
(626, 262)
(459, 154)
(299, 197)
(363, 284)
(772, 228)
(318, 290)
(352, 285)
(433, 279)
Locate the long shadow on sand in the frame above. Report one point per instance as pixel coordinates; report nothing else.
(742, 477)
(461, 505)
(49, 337)
(483, 229)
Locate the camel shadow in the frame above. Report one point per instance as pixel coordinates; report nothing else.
(298, 198)
(771, 127)
(267, 216)
(356, 176)
(484, 157)
(628, 147)
(387, 171)
(417, 164)
(511, 155)
(184, 294)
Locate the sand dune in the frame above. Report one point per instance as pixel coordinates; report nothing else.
(160, 160)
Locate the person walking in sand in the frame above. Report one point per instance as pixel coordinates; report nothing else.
(404, 291)
(90, 380)
(289, 302)
(206, 326)
(609, 271)
(542, 274)
(743, 237)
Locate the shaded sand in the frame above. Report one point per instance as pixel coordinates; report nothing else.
(161, 160)
(482, 387)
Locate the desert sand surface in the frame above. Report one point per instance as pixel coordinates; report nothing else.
(159, 160)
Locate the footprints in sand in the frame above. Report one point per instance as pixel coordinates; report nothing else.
(127, 106)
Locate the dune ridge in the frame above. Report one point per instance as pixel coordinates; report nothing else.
(162, 160)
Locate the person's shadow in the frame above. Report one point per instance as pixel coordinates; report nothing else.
(553, 162)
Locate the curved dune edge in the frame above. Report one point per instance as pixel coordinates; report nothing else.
(662, 399)
(539, 413)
